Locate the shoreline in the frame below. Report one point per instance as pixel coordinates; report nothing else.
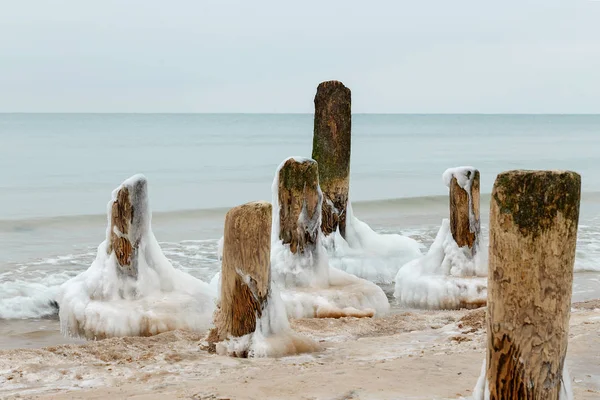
(424, 355)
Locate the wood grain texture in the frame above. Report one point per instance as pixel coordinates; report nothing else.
(331, 150)
(127, 225)
(463, 233)
(246, 270)
(299, 194)
(533, 231)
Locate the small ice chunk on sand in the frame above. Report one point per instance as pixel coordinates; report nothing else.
(103, 302)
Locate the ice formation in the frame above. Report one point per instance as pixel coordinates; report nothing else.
(104, 302)
(448, 276)
(482, 390)
(273, 336)
(220, 248)
(368, 254)
(444, 278)
(464, 177)
(309, 286)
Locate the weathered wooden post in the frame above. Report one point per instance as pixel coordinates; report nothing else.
(533, 230)
(128, 222)
(299, 204)
(464, 206)
(246, 271)
(331, 150)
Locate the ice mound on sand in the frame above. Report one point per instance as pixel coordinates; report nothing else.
(273, 336)
(309, 286)
(131, 289)
(441, 279)
(448, 276)
(368, 254)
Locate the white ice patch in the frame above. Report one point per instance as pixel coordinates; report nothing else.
(273, 336)
(101, 302)
(215, 284)
(463, 175)
(309, 286)
(220, 248)
(445, 278)
(368, 254)
(482, 388)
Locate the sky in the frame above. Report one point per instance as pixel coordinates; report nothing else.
(419, 56)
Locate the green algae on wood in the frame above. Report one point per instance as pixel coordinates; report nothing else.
(533, 233)
(299, 204)
(331, 150)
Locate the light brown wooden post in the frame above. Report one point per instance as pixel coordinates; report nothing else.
(533, 230)
(246, 271)
(128, 221)
(299, 194)
(465, 232)
(331, 150)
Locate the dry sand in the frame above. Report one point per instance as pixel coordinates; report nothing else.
(425, 355)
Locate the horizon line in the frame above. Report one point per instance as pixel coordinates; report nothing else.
(284, 113)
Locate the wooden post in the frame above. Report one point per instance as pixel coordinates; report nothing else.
(246, 270)
(463, 205)
(533, 230)
(299, 194)
(128, 221)
(331, 150)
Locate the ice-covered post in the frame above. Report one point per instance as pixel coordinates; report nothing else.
(331, 150)
(533, 230)
(245, 272)
(299, 204)
(463, 183)
(128, 222)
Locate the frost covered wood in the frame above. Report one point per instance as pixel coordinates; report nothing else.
(331, 150)
(131, 289)
(451, 274)
(300, 265)
(250, 319)
(245, 271)
(127, 225)
(533, 231)
(299, 204)
(463, 183)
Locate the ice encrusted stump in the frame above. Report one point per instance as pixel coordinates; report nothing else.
(331, 150)
(534, 217)
(451, 274)
(351, 244)
(250, 319)
(131, 289)
(463, 184)
(299, 262)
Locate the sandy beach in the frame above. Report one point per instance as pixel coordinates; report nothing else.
(410, 355)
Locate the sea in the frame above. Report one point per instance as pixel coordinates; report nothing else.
(57, 172)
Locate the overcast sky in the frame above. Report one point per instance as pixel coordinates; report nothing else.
(397, 56)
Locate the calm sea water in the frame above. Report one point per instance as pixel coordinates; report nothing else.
(57, 172)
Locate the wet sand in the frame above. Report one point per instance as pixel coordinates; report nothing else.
(431, 354)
